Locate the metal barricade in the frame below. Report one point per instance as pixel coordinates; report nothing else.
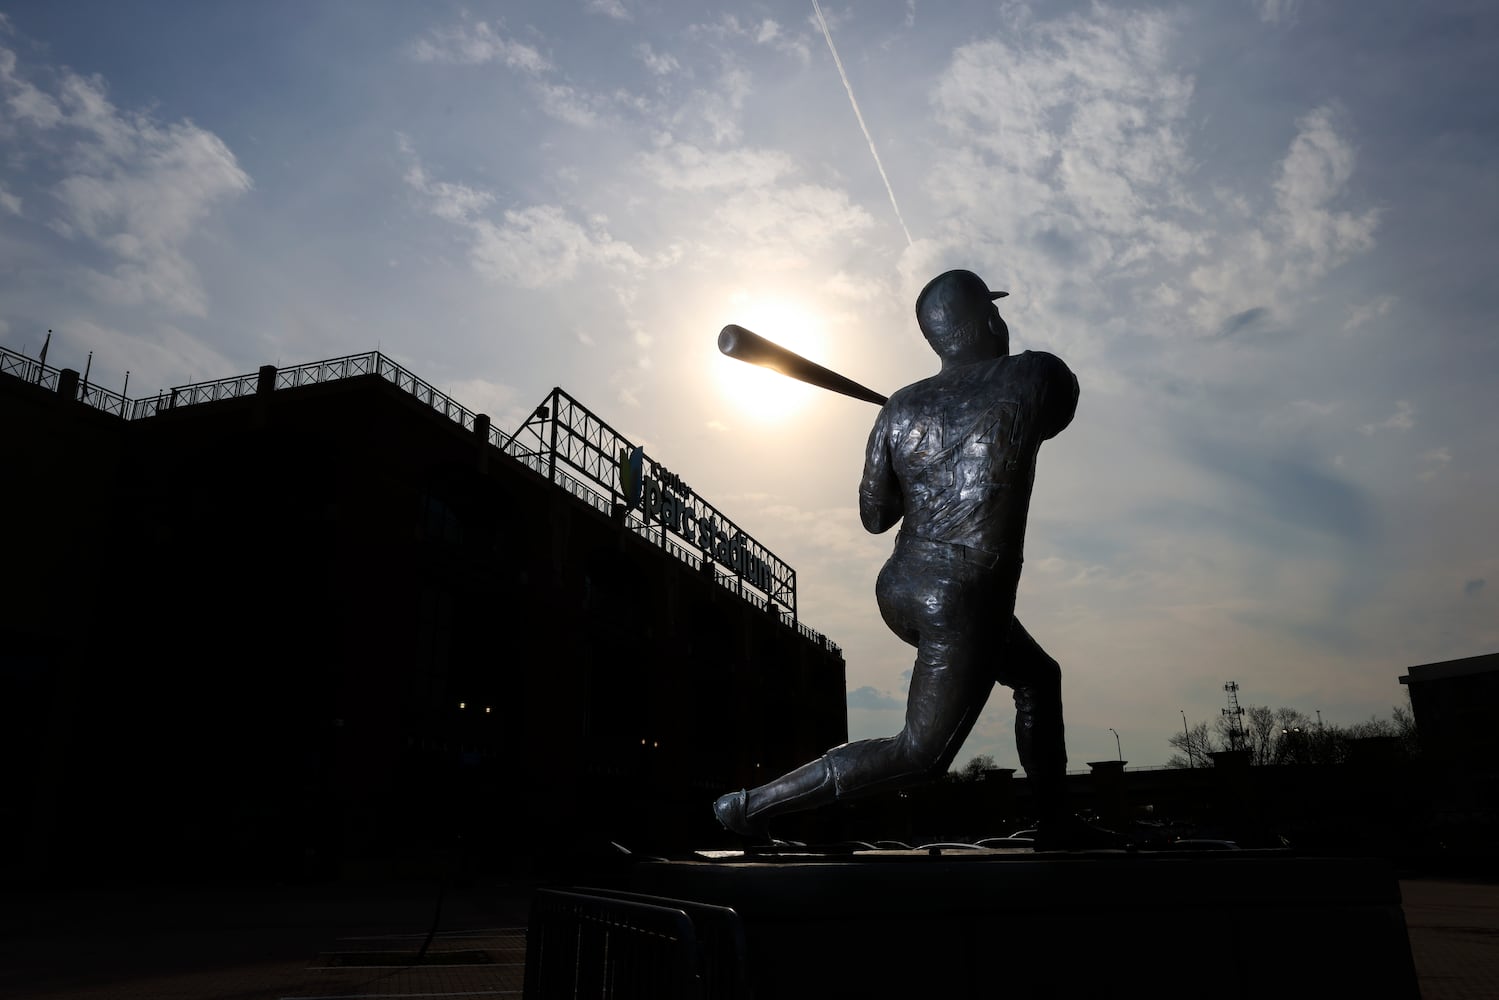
(620, 945)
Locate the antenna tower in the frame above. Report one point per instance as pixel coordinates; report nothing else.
(1235, 716)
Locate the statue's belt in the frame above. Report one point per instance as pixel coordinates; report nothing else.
(971, 554)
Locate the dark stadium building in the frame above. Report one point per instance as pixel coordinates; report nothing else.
(324, 620)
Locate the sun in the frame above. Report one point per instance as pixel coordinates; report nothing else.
(756, 392)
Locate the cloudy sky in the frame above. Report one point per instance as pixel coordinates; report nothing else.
(1261, 232)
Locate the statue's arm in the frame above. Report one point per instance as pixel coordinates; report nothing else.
(880, 504)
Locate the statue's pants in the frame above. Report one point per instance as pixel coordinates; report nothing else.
(956, 606)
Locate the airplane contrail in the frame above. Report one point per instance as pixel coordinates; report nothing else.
(822, 23)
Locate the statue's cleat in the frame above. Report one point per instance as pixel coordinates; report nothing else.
(731, 812)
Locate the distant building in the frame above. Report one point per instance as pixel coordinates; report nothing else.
(1456, 703)
(324, 618)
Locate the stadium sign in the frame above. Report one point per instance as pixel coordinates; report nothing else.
(675, 507)
(571, 446)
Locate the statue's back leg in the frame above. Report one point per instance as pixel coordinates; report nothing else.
(1040, 737)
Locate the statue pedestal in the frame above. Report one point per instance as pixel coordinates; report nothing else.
(1012, 924)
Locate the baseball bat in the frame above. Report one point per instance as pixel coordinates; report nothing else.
(748, 346)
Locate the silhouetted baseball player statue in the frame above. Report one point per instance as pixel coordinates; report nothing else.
(953, 457)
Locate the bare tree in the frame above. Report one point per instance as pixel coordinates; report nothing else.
(1287, 736)
(974, 769)
(1193, 747)
(1405, 727)
(1260, 730)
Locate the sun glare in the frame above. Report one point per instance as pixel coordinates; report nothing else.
(757, 392)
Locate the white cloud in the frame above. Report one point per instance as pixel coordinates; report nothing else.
(1277, 11)
(569, 104)
(135, 188)
(1301, 239)
(659, 63)
(541, 246)
(609, 8)
(24, 100)
(1070, 156)
(710, 113)
(834, 532)
(780, 224)
(1098, 89)
(627, 388)
(719, 108)
(871, 699)
(1299, 416)
(771, 34)
(534, 247)
(9, 202)
(846, 286)
(1312, 176)
(683, 166)
(719, 105)
(1367, 312)
(1403, 419)
(1074, 144)
(473, 44)
(453, 202)
(1435, 461)
(767, 32)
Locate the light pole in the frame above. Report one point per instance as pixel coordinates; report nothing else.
(1191, 759)
(1117, 746)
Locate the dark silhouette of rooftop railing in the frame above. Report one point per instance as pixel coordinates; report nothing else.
(33, 371)
(103, 399)
(27, 370)
(315, 372)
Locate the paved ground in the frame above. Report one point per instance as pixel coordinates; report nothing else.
(359, 942)
(1454, 930)
(238, 943)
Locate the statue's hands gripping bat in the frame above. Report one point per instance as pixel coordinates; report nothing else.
(745, 345)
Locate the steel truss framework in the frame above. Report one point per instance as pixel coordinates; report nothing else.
(570, 445)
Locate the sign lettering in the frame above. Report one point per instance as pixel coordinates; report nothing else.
(669, 502)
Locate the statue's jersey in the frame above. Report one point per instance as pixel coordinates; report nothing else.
(955, 454)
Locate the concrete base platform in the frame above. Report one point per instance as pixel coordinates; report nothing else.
(1013, 924)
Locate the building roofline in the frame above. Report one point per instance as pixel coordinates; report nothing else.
(1444, 669)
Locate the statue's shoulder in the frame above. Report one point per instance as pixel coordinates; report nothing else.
(1040, 364)
(1051, 386)
(911, 395)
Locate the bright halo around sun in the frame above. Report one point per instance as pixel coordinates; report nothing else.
(758, 392)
